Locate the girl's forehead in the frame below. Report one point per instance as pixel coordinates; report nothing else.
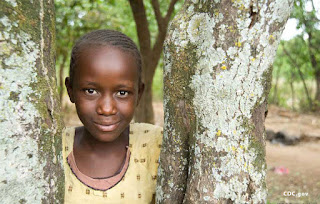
(106, 61)
(103, 48)
(92, 53)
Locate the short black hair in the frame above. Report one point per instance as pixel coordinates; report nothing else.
(104, 37)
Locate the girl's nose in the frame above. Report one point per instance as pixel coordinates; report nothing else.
(106, 106)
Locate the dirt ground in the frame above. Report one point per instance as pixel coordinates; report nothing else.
(300, 161)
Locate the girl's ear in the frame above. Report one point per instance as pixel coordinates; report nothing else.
(140, 92)
(69, 89)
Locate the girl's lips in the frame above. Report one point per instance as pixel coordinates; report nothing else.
(106, 128)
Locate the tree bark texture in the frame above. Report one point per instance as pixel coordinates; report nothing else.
(30, 122)
(217, 76)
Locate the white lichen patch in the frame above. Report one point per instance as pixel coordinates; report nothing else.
(200, 27)
(12, 2)
(19, 118)
(167, 59)
(221, 97)
(281, 9)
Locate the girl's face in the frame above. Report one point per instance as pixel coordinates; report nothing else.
(105, 90)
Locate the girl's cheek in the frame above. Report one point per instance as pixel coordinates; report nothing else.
(85, 105)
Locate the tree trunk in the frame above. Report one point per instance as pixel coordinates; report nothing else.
(217, 76)
(61, 77)
(317, 76)
(292, 89)
(30, 123)
(275, 99)
(144, 111)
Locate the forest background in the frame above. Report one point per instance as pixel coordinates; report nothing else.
(294, 97)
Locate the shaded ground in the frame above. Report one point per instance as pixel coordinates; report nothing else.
(301, 160)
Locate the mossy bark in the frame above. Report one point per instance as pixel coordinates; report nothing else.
(30, 118)
(218, 57)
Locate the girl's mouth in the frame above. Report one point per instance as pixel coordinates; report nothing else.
(106, 127)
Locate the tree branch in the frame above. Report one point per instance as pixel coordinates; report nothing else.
(157, 48)
(313, 7)
(295, 65)
(157, 13)
(141, 21)
(170, 10)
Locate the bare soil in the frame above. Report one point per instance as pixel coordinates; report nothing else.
(302, 160)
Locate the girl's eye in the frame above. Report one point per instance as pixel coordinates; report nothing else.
(122, 93)
(90, 91)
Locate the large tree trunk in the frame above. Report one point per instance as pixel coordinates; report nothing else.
(218, 65)
(30, 123)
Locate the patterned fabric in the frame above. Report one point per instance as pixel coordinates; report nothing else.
(139, 181)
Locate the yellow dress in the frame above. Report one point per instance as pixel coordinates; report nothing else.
(139, 182)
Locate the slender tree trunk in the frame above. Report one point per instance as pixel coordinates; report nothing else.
(30, 123)
(144, 111)
(317, 76)
(61, 77)
(294, 64)
(275, 98)
(217, 76)
(292, 89)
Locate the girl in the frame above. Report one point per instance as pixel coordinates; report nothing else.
(108, 160)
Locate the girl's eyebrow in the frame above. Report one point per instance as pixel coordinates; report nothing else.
(125, 85)
(91, 83)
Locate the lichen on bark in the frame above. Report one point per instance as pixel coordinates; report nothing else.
(30, 119)
(218, 57)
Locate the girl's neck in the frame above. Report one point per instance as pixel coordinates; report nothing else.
(90, 143)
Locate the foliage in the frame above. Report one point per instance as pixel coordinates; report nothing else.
(297, 62)
(298, 50)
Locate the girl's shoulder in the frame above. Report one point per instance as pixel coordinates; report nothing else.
(145, 142)
(145, 126)
(68, 130)
(67, 140)
(145, 133)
